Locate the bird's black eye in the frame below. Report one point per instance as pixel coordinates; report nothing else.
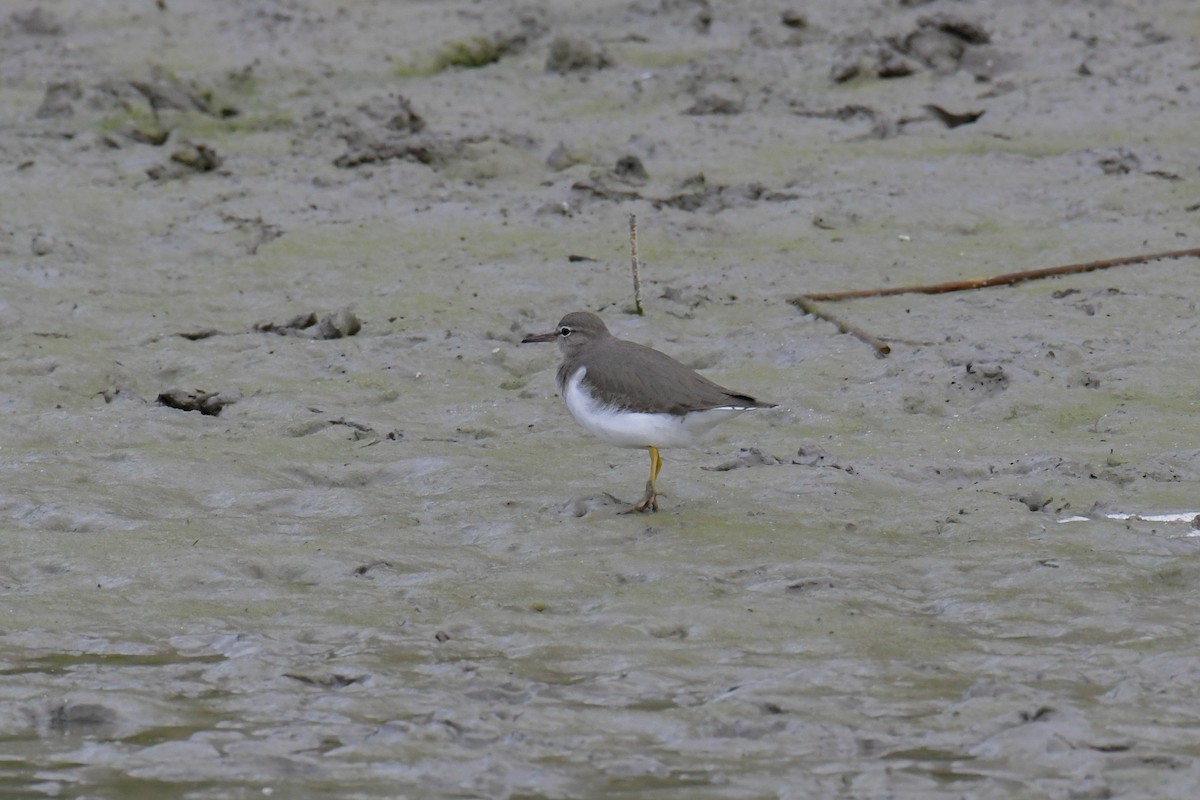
(564, 331)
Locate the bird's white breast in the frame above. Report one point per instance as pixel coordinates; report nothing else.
(638, 428)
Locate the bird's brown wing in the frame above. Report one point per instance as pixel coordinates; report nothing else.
(639, 378)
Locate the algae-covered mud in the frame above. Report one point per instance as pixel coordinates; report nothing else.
(287, 509)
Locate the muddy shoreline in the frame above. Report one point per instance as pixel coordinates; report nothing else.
(379, 559)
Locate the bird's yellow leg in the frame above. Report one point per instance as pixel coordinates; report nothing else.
(650, 501)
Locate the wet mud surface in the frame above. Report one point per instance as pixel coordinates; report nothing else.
(361, 549)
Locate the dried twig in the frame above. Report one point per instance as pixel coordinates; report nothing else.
(637, 281)
(805, 304)
(1000, 280)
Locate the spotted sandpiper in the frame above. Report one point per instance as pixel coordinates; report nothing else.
(634, 396)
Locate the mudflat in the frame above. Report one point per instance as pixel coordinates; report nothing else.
(286, 507)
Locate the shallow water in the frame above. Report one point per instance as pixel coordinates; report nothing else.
(394, 566)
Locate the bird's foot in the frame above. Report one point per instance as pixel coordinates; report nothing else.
(649, 502)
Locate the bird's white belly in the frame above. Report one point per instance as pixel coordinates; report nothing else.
(635, 428)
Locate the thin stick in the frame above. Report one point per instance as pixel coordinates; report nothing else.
(637, 281)
(999, 280)
(805, 304)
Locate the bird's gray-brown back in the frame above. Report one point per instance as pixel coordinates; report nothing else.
(632, 377)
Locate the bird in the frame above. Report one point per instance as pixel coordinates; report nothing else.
(634, 396)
